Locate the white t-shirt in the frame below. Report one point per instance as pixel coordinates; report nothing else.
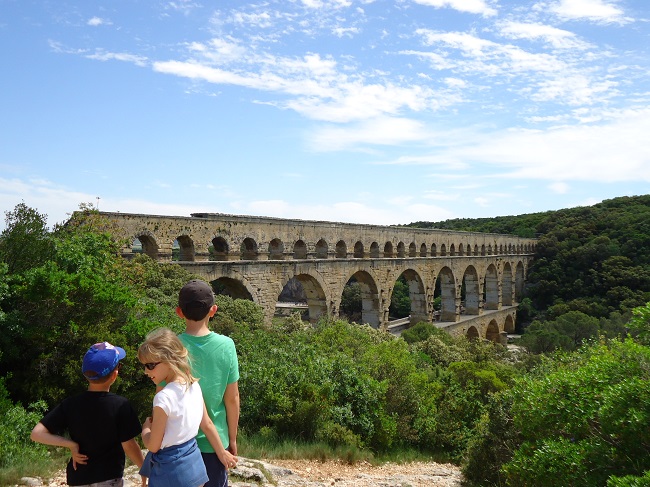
(184, 409)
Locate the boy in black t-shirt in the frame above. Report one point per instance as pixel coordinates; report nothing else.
(102, 426)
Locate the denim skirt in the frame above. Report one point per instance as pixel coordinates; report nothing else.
(175, 466)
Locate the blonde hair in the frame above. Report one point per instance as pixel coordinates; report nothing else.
(162, 345)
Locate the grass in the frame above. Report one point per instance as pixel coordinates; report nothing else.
(34, 465)
(262, 447)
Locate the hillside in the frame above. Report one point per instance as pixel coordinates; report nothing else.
(593, 259)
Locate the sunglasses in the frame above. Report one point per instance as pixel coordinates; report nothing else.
(151, 365)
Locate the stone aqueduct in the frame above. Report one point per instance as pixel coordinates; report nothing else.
(479, 277)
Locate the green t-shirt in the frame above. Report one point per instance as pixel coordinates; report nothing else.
(214, 362)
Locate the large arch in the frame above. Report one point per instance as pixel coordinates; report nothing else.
(519, 281)
(506, 285)
(417, 296)
(149, 245)
(232, 287)
(370, 310)
(472, 292)
(447, 294)
(219, 249)
(491, 288)
(315, 294)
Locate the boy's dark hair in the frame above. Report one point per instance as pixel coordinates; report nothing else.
(195, 299)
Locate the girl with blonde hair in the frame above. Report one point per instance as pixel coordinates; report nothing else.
(178, 412)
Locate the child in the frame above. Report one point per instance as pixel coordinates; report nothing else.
(214, 360)
(102, 426)
(178, 412)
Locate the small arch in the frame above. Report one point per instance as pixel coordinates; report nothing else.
(183, 248)
(374, 250)
(388, 250)
(433, 250)
(509, 324)
(276, 249)
(475, 249)
(472, 333)
(299, 250)
(489, 249)
(461, 249)
(452, 250)
(322, 249)
(147, 246)
(412, 249)
(443, 250)
(219, 249)
(483, 250)
(401, 249)
(423, 250)
(248, 249)
(341, 250)
(492, 332)
(358, 250)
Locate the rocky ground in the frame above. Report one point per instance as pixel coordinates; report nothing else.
(311, 473)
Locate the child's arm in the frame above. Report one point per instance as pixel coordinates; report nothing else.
(133, 451)
(207, 426)
(153, 430)
(231, 402)
(41, 434)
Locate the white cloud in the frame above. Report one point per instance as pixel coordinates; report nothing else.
(558, 38)
(602, 11)
(469, 6)
(96, 21)
(118, 56)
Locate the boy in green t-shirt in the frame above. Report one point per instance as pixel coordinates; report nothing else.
(213, 358)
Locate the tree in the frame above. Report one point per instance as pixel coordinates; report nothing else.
(25, 242)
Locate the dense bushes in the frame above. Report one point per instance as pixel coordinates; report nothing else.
(579, 420)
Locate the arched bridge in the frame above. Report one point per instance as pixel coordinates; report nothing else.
(478, 277)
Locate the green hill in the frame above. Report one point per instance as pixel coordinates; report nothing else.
(593, 259)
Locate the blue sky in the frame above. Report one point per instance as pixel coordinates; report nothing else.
(380, 112)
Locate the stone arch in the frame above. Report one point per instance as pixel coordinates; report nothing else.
(315, 294)
(358, 250)
(417, 295)
(491, 288)
(489, 249)
(423, 250)
(299, 250)
(452, 250)
(276, 249)
(374, 250)
(519, 281)
(341, 249)
(433, 250)
(483, 250)
(472, 293)
(149, 245)
(472, 333)
(186, 252)
(443, 250)
(509, 324)
(506, 285)
(388, 250)
(220, 249)
(412, 249)
(461, 249)
(248, 249)
(370, 312)
(401, 250)
(322, 249)
(475, 249)
(232, 287)
(492, 333)
(447, 294)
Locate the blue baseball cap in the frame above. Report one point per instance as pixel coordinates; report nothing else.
(101, 359)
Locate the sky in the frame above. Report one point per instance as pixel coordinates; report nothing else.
(362, 111)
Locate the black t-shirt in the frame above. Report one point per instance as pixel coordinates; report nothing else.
(99, 422)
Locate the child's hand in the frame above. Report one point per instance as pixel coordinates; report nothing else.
(77, 458)
(147, 423)
(228, 459)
